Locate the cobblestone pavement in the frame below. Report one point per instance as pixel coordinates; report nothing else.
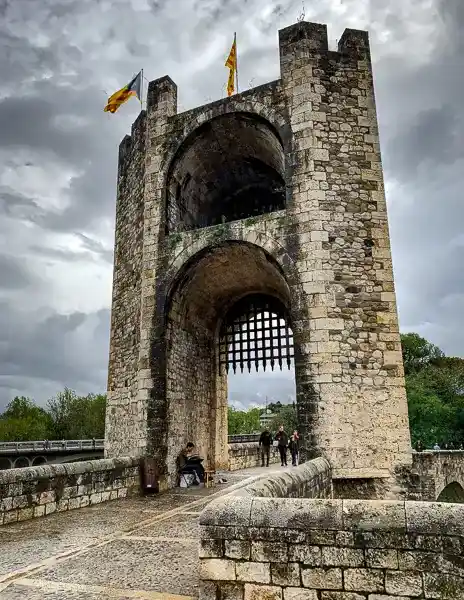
(143, 548)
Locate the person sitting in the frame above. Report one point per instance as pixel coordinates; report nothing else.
(189, 463)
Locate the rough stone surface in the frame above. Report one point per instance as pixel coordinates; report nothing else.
(138, 547)
(33, 492)
(247, 455)
(303, 219)
(435, 476)
(337, 549)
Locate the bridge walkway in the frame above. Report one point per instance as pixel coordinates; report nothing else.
(143, 548)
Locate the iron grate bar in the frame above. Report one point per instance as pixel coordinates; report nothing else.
(256, 331)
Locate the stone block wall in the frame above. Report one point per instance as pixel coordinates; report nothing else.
(431, 473)
(310, 480)
(247, 455)
(313, 549)
(330, 246)
(39, 491)
(126, 418)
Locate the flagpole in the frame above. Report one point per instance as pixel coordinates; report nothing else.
(236, 61)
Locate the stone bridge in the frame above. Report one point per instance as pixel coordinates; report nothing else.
(302, 235)
(41, 452)
(14, 455)
(265, 534)
(437, 476)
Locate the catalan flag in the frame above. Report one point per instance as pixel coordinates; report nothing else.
(133, 88)
(231, 64)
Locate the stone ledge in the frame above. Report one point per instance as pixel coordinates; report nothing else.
(297, 480)
(360, 474)
(342, 515)
(62, 470)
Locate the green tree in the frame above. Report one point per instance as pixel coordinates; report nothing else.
(430, 419)
(23, 420)
(418, 352)
(275, 407)
(243, 422)
(287, 417)
(77, 417)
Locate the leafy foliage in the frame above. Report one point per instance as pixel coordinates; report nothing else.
(23, 421)
(435, 391)
(434, 387)
(241, 422)
(77, 417)
(418, 352)
(68, 416)
(287, 417)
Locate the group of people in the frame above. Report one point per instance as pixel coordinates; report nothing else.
(284, 443)
(451, 446)
(189, 463)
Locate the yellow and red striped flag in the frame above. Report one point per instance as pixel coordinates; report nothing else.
(231, 64)
(133, 88)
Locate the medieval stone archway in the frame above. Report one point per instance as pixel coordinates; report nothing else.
(229, 168)
(217, 293)
(453, 492)
(22, 461)
(5, 463)
(259, 167)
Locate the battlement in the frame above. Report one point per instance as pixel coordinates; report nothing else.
(300, 41)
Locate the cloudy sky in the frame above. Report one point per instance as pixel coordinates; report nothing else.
(58, 155)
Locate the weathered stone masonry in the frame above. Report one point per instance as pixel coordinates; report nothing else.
(283, 538)
(322, 249)
(34, 492)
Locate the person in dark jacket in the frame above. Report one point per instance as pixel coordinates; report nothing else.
(188, 462)
(265, 443)
(294, 447)
(282, 443)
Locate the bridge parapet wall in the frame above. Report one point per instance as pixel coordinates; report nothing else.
(33, 492)
(432, 472)
(247, 455)
(320, 548)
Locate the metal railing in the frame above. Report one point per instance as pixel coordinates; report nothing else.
(74, 445)
(243, 438)
(50, 446)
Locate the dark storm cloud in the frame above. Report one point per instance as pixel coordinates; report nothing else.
(64, 349)
(17, 205)
(14, 274)
(422, 127)
(433, 138)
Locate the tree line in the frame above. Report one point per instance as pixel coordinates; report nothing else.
(67, 416)
(434, 387)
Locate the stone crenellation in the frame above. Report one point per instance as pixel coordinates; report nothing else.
(33, 492)
(186, 251)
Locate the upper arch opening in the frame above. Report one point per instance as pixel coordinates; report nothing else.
(229, 168)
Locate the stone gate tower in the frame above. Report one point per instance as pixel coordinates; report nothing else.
(270, 202)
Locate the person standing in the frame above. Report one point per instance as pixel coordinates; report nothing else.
(282, 443)
(265, 443)
(294, 447)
